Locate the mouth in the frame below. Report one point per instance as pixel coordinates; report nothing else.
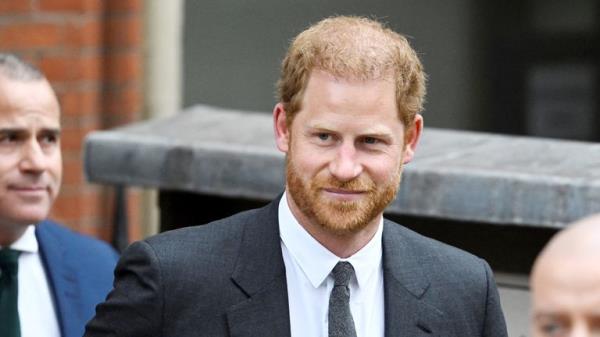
(344, 194)
(28, 190)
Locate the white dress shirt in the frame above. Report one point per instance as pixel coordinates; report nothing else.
(36, 307)
(308, 266)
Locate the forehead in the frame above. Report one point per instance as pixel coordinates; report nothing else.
(25, 103)
(568, 285)
(328, 96)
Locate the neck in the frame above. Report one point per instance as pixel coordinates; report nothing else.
(9, 233)
(342, 245)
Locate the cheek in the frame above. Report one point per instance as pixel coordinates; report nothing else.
(384, 169)
(56, 169)
(57, 158)
(307, 160)
(9, 168)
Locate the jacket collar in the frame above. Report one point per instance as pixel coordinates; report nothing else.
(62, 277)
(260, 274)
(407, 312)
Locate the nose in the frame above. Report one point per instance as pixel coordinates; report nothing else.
(580, 329)
(345, 166)
(33, 158)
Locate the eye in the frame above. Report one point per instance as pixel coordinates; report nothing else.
(49, 139)
(323, 136)
(9, 137)
(554, 328)
(371, 140)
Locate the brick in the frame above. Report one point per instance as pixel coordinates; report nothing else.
(70, 68)
(88, 228)
(74, 206)
(124, 31)
(111, 121)
(90, 211)
(79, 102)
(14, 6)
(72, 138)
(117, 6)
(123, 67)
(73, 172)
(79, 6)
(125, 102)
(56, 68)
(30, 35)
(86, 33)
(90, 68)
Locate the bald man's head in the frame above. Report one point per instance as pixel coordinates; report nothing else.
(565, 283)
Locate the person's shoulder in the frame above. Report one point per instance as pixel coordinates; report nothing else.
(211, 249)
(221, 238)
(222, 229)
(50, 232)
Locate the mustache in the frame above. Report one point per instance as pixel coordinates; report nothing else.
(358, 184)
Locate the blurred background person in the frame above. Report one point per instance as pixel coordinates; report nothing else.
(565, 283)
(51, 278)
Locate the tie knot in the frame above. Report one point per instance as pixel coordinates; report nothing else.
(9, 261)
(342, 273)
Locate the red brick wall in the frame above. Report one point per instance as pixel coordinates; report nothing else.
(91, 51)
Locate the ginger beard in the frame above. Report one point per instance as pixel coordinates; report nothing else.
(340, 217)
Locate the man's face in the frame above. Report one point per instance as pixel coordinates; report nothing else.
(30, 158)
(566, 298)
(345, 150)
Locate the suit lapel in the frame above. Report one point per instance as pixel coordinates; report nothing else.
(260, 274)
(62, 279)
(407, 314)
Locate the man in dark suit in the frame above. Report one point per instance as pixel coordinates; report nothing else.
(51, 278)
(320, 260)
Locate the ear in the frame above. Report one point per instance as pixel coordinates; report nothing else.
(282, 133)
(412, 138)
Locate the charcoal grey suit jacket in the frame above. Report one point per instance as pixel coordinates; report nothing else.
(227, 278)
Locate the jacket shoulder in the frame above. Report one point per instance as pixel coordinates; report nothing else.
(427, 247)
(51, 233)
(457, 283)
(201, 245)
(439, 262)
(214, 233)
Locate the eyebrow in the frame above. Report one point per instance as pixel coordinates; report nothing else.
(371, 131)
(547, 315)
(52, 131)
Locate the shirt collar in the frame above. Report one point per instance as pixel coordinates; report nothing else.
(315, 260)
(27, 242)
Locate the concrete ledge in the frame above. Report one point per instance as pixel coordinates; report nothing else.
(456, 175)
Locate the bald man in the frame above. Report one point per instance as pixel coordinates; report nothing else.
(566, 283)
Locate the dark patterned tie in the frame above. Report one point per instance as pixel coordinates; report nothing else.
(9, 290)
(341, 323)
